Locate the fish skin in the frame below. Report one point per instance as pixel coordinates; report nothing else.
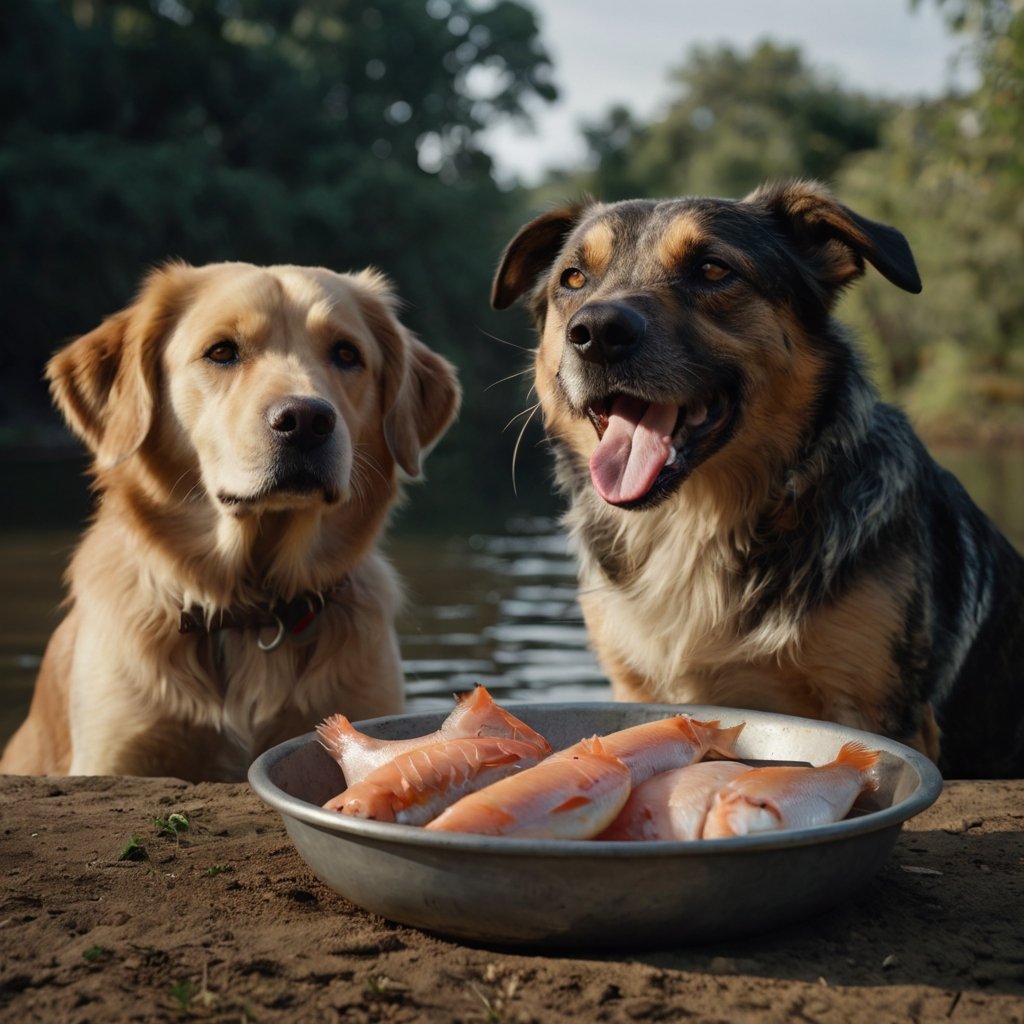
(784, 796)
(673, 804)
(475, 714)
(416, 785)
(664, 744)
(572, 797)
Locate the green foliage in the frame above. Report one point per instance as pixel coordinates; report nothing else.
(133, 850)
(735, 121)
(182, 993)
(172, 825)
(949, 173)
(336, 132)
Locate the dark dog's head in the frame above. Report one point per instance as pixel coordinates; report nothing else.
(674, 330)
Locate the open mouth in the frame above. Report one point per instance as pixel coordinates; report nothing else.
(646, 449)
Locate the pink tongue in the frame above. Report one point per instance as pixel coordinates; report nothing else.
(633, 449)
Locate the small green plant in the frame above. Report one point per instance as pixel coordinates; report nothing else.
(172, 825)
(491, 1010)
(133, 850)
(193, 998)
(380, 988)
(217, 869)
(183, 992)
(97, 954)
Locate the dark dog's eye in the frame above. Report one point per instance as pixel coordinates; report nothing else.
(711, 270)
(573, 278)
(223, 353)
(346, 356)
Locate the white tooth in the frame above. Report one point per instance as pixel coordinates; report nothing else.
(697, 415)
(671, 458)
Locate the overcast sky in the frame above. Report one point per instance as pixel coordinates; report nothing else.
(621, 51)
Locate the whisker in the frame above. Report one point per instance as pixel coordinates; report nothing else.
(185, 496)
(197, 486)
(364, 461)
(502, 341)
(515, 449)
(512, 376)
(525, 412)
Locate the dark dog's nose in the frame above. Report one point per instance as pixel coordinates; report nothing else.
(302, 422)
(605, 332)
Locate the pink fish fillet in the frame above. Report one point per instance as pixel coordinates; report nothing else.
(778, 796)
(475, 714)
(565, 798)
(673, 804)
(664, 744)
(417, 785)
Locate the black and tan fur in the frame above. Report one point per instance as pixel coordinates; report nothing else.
(802, 553)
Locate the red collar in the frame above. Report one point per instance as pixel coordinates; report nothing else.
(284, 617)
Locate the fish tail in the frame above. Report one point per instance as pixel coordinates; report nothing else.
(593, 745)
(856, 755)
(724, 740)
(333, 733)
(713, 738)
(477, 699)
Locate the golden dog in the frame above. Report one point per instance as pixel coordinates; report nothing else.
(248, 427)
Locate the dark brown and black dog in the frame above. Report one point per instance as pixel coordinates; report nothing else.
(755, 528)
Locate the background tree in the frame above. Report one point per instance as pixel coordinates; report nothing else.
(735, 120)
(334, 132)
(950, 173)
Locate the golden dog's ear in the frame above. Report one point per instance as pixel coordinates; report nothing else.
(104, 383)
(423, 406)
(421, 391)
(833, 239)
(532, 251)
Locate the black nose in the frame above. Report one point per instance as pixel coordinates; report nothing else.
(301, 422)
(605, 332)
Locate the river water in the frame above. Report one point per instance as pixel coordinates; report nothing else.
(495, 603)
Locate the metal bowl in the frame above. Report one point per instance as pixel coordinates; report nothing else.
(575, 894)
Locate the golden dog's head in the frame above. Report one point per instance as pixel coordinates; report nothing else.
(676, 330)
(260, 388)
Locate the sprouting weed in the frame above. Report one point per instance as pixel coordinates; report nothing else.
(492, 1010)
(380, 988)
(183, 992)
(172, 825)
(133, 850)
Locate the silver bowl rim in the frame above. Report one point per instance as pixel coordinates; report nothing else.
(923, 796)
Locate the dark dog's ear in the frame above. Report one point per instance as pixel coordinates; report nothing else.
(531, 252)
(421, 391)
(104, 383)
(833, 239)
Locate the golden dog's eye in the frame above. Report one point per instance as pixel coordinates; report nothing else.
(223, 353)
(714, 271)
(346, 356)
(573, 278)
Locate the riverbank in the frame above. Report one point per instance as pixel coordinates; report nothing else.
(111, 910)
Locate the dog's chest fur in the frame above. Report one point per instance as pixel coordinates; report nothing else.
(669, 595)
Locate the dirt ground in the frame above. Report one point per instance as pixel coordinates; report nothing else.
(108, 913)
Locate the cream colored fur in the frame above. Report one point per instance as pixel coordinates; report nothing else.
(190, 512)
